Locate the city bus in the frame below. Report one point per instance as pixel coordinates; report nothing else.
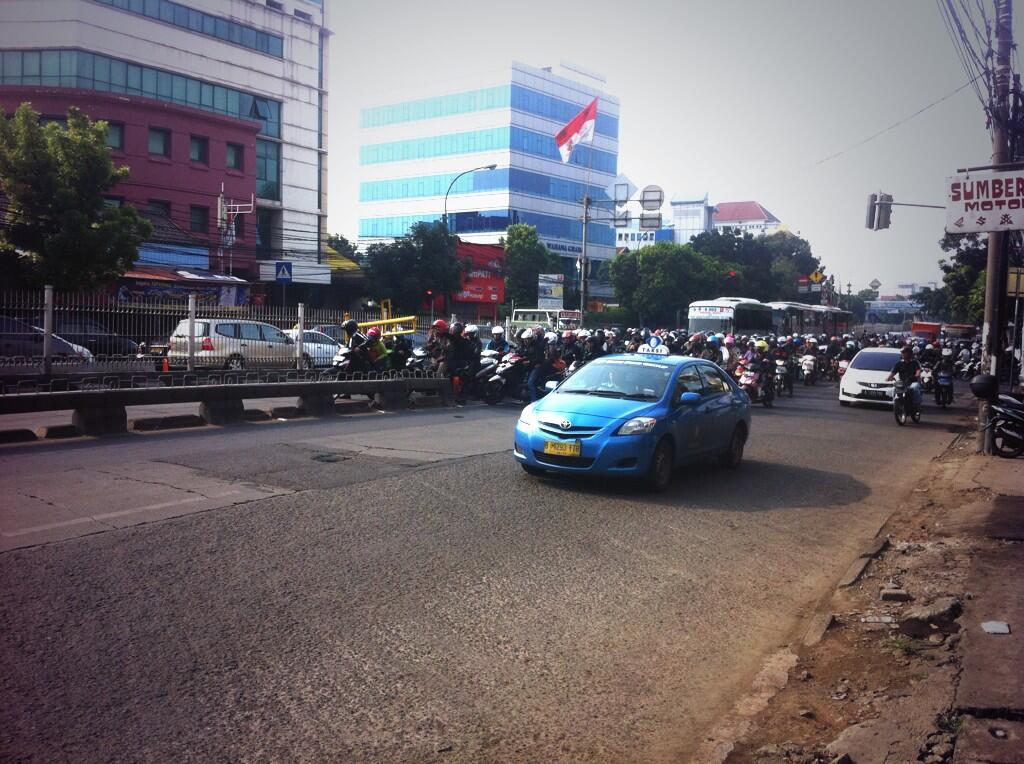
(729, 315)
(548, 318)
(800, 318)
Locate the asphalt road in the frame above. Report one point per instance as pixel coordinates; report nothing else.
(394, 588)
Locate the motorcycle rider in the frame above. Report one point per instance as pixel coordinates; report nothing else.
(730, 358)
(498, 341)
(570, 350)
(781, 353)
(375, 349)
(908, 369)
(458, 360)
(438, 342)
(848, 351)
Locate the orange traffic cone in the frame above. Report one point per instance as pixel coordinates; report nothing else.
(166, 365)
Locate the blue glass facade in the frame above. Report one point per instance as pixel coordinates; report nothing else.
(516, 96)
(492, 139)
(204, 23)
(91, 71)
(503, 179)
(489, 221)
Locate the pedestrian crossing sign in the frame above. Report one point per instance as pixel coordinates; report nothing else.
(283, 272)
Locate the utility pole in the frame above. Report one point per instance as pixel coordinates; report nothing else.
(1000, 113)
(583, 260)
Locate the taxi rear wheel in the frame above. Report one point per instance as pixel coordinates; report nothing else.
(659, 474)
(734, 453)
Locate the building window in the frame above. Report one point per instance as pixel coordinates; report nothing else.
(113, 201)
(199, 149)
(274, 5)
(239, 226)
(199, 219)
(159, 141)
(264, 233)
(233, 157)
(160, 207)
(268, 170)
(115, 135)
(303, 15)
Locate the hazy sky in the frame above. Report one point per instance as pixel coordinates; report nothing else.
(740, 98)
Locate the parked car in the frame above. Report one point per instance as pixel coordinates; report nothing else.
(21, 339)
(227, 343)
(98, 339)
(865, 378)
(318, 347)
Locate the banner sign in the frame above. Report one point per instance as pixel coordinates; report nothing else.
(551, 290)
(985, 201)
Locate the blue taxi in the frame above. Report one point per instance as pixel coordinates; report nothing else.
(638, 415)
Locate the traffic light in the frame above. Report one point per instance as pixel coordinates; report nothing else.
(884, 211)
(872, 206)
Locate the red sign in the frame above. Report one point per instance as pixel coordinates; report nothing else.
(484, 281)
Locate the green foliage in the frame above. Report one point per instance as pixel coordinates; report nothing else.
(526, 257)
(659, 281)
(341, 245)
(405, 269)
(55, 227)
(961, 298)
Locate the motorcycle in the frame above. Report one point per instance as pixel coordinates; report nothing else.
(944, 389)
(750, 381)
(508, 380)
(903, 407)
(489, 361)
(1007, 423)
(780, 378)
(419, 361)
(809, 369)
(927, 378)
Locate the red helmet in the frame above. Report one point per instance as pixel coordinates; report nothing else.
(441, 325)
(568, 335)
(374, 333)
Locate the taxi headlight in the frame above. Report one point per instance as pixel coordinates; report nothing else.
(641, 425)
(527, 418)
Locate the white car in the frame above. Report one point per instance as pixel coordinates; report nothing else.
(319, 347)
(865, 379)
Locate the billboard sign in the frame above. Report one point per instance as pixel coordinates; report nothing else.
(551, 290)
(985, 201)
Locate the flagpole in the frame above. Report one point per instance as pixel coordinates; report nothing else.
(583, 260)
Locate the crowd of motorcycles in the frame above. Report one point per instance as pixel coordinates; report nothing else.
(766, 367)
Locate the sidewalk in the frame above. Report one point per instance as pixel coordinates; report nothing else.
(896, 666)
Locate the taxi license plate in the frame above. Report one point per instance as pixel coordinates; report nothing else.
(563, 448)
(881, 394)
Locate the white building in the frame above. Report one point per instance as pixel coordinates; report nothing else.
(746, 217)
(414, 146)
(692, 215)
(258, 60)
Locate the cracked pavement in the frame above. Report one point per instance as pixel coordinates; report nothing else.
(327, 590)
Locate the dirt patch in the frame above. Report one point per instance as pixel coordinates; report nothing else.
(873, 688)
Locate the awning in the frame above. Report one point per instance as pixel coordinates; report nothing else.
(197, 276)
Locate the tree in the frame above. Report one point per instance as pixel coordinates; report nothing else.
(404, 270)
(659, 282)
(341, 245)
(526, 258)
(55, 227)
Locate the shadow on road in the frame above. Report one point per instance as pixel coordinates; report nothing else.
(756, 486)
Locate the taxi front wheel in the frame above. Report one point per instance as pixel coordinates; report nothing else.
(659, 475)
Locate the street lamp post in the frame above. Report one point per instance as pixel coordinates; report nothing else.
(447, 228)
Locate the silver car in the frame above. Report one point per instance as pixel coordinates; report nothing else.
(228, 343)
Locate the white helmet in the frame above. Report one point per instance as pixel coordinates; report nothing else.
(929, 346)
(472, 330)
(497, 331)
(583, 334)
(550, 337)
(947, 352)
(527, 334)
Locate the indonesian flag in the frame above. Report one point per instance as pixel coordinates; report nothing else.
(579, 130)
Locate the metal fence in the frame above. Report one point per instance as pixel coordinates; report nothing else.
(51, 332)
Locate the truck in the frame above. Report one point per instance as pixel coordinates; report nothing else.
(927, 330)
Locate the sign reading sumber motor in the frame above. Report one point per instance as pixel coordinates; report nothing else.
(985, 201)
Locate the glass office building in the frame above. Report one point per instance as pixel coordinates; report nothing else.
(412, 150)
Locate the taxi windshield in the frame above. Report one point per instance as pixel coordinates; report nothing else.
(620, 378)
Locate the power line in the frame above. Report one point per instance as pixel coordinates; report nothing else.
(897, 124)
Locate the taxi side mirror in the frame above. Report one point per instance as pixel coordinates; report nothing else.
(550, 384)
(688, 398)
